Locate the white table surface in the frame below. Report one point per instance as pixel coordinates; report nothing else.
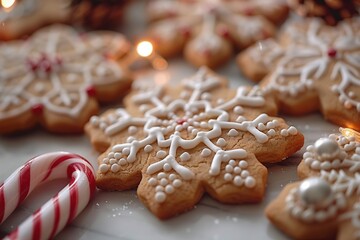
(120, 215)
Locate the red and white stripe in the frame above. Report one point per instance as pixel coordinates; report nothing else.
(47, 221)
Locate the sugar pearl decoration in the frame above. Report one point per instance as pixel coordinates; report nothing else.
(316, 192)
(326, 148)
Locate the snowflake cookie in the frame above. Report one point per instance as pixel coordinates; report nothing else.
(326, 203)
(174, 144)
(208, 30)
(312, 67)
(56, 77)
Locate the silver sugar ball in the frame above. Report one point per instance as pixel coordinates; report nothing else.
(315, 191)
(327, 149)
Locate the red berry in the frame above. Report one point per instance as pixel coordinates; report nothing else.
(331, 52)
(91, 91)
(37, 109)
(181, 121)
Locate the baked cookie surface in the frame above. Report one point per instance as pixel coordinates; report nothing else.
(311, 67)
(175, 144)
(207, 32)
(56, 78)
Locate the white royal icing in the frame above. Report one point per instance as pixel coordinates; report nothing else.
(163, 127)
(311, 55)
(40, 62)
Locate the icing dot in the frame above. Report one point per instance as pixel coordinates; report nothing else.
(228, 177)
(115, 168)
(270, 125)
(159, 188)
(177, 183)
(205, 152)
(284, 133)
(172, 177)
(238, 110)
(243, 164)
(112, 160)
(160, 197)
(132, 130)
(110, 154)
(122, 161)
(194, 131)
(152, 181)
(237, 170)
(161, 175)
(104, 168)
(160, 154)
(185, 156)
(167, 167)
(204, 125)
(271, 132)
(238, 181)
(105, 160)
(221, 142)
(148, 148)
(292, 130)
(347, 104)
(250, 182)
(117, 155)
(232, 162)
(233, 133)
(163, 182)
(126, 151)
(261, 126)
(94, 120)
(169, 189)
(229, 168)
(245, 173)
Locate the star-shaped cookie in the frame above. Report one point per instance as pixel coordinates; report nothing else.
(175, 144)
(56, 77)
(207, 31)
(325, 205)
(312, 67)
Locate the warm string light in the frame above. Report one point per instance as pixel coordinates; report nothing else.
(7, 3)
(348, 132)
(145, 50)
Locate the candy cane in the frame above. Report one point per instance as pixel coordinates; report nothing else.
(49, 219)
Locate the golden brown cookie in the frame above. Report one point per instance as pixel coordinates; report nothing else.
(208, 31)
(175, 144)
(21, 17)
(325, 205)
(312, 67)
(56, 77)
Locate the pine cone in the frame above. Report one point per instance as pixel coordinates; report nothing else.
(332, 11)
(98, 13)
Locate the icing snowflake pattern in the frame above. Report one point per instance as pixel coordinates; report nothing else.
(173, 128)
(206, 27)
(57, 70)
(318, 59)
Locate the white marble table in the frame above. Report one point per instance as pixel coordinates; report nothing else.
(120, 215)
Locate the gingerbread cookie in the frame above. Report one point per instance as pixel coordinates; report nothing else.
(56, 77)
(21, 17)
(312, 67)
(208, 31)
(174, 144)
(326, 204)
